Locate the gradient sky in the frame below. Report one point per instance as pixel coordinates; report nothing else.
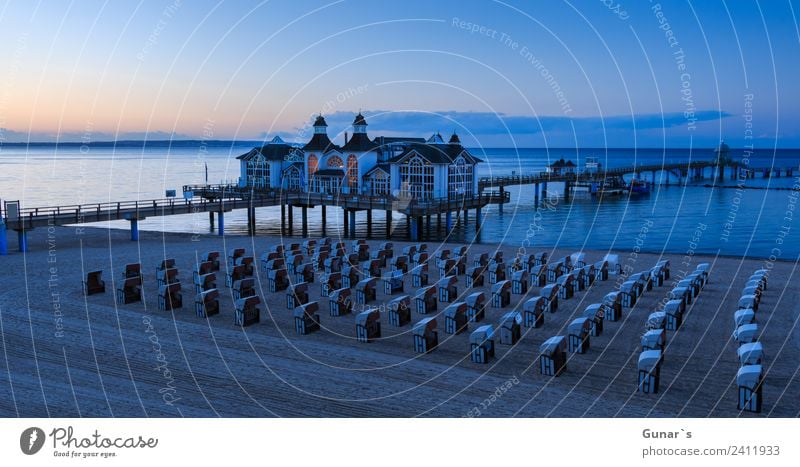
(95, 70)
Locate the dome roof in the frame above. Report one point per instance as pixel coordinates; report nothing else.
(320, 121)
(359, 120)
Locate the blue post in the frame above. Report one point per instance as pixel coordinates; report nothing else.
(414, 231)
(478, 217)
(448, 220)
(221, 222)
(502, 192)
(654, 178)
(353, 223)
(134, 230)
(3, 239)
(544, 191)
(536, 195)
(22, 235)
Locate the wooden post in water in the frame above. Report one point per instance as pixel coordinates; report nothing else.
(211, 219)
(345, 223)
(502, 191)
(304, 211)
(283, 219)
(536, 194)
(352, 223)
(324, 220)
(369, 223)
(388, 223)
(290, 220)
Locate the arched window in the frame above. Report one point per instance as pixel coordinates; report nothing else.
(416, 179)
(313, 165)
(459, 178)
(335, 162)
(352, 171)
(258, 172)
(292, 178)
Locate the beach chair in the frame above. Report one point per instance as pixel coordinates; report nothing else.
(422, 248)
(393, 282)
(400, 263)
(533, 312)
(481, 343)
(350, 276)
(761, 275)
(331, 282)
(629, 293)
(649, 371)
(277, 249)
(206, 303)
(371, 268)
(750, 353)
(528, 262)
(554, 271)
(578, 332)
(425, 335)
(446, 267)
(455, 318)
(201, 269)
(234, 254)
(324, 241)
(278, 279)
(293, 262)
(167, 276)
(539, 275)
(541, 258)
(704, 269)
(129, 290)
(425, 300)
(674, 310)
(410, 250)
(699, 279)
(380, 256)
(461, 250)
(368, 325)
(387, 247)
(550, 294)
(318, 260)
(501, 294)
(248, 263)
(497, 272)
(400, 311)
(419, 258)
(246, 311)
(274, 264)
(613, 263)
(132, 270)
(746, 333)
(169, 297)
(166, 264)
(476, 306)
(750, 381)
(304, 273)
(601, 270)
(94, 283)
(578, 260)
(365, 290)
(514, 266)
(333, 264)
(510, 330)
(447, 288)
(654, 339)
(244, 288)
(553, 356)
(579, 279)
(683, 294)
(656, 320)
(442, 254)
(664, 265)
(612, 305)
(743, 316)
(480, 260)
(657, 276)
(340, 302)
(519, 282)
(644, 281)
(692, 286)
(566, 286)
(748, 302)
(362, 252)
(419, 276)
(309, 246)
(236, 273)
(355, 245)
(296, 295)
(213, 258)
(474, 277)
(596, 315)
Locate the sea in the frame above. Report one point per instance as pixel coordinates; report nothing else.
(757, 219)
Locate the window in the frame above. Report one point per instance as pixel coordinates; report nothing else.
(459, 179)
(325, 184)
(258, 172)
(335, 162)
(292, 178)
(379, 181)
(313, 165)
(416, 179)
(352, 172)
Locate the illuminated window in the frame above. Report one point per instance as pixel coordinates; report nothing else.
(352, 171)
(459, 178)
(335, 162)
(313, 165)
(416, 179)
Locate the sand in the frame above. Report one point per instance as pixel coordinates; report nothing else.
(66, 355)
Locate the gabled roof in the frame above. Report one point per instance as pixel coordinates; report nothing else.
(293, 165)
(437, 153)
(382, 167)
(320, 142)
(270, 151)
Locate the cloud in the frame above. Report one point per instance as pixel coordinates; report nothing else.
(488, 123)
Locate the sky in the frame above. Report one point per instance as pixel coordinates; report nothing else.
(501, 74)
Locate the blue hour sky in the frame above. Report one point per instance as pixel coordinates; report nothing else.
(555, 73)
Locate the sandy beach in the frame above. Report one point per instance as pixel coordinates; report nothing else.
(67, 355)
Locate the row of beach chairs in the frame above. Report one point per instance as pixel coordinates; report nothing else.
(750, 352)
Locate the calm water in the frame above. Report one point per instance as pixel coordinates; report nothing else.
(672, 219)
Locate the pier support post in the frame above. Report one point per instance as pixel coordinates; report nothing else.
(352, 223)
(324, 220)
(369, 223)
(220, 226)
(536, 194)
(304, 213)
(466, 217)
(290, 220)
(414, 230)
(388, 224)
(22, 235)
(438, 221)
(566, 191)
(211, 220)
(478, 219)
(134, 233)
(283, 219)
(428, 223)
(544, 191)
(346, 223)
(653, 179)
(251, 222)
(419, 228)
(3, 239)
(448, 221)
(502, 193)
